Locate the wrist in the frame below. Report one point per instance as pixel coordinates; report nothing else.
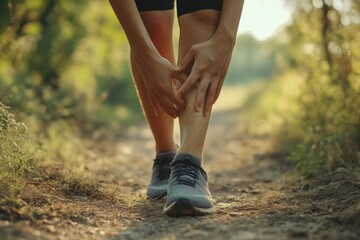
(225, 36)
(145, 51)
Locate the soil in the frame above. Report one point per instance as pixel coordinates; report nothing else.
(257, 195)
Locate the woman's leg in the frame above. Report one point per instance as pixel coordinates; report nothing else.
(188, 191)
(159, 25)
(195, 27)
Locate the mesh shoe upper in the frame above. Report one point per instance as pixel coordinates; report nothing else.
(188, 181)
(159, 179)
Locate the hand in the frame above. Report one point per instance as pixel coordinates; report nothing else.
(209, 62)
(157, 74)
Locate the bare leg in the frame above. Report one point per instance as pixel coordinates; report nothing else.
(195, 27)
(159, 25)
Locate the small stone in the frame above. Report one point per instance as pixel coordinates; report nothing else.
(235, 214)
(92, 230)
(72, 223)
(51, 228)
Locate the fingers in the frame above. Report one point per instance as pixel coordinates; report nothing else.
(201, 94)
(180, 76)
(169, 108)
(189, 82)
(169, 104)
(166, 99)
(210, 98)
(180, 103)
(207, 93)
(218, 89)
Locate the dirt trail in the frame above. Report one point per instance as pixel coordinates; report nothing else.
(255, 195)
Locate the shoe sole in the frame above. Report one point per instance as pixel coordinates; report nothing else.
(183, 207)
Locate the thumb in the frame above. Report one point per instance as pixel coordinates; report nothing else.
(186, 61)
(180, 76)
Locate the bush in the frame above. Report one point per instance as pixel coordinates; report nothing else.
(15, 157)
(330, 128)
(326, 54)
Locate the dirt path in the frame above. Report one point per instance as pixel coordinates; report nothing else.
(255, 195)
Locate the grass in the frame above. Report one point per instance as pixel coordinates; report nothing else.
(16, 159)
(52, 164)
(317, 127)
(315, 122)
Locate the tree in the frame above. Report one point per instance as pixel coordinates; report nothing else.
(60, 58)
(324, 36)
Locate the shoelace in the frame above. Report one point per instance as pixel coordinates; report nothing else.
(163, 168)
(186, 173)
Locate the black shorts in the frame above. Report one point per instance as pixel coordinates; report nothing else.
(183, 6)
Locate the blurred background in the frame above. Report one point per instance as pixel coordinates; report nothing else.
(64, 72)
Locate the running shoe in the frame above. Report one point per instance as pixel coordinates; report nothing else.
(188, 190)
(157, 188)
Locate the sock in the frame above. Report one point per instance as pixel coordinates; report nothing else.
(193, 158)
(166, 155)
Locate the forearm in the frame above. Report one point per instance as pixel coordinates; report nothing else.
(229, 20)
(130, 20)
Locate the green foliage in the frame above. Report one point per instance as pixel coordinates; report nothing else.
(63, 71)
(59, 148)
(307, 159)
(15, 157)
(274, 106)
(64, 60)
(4, 16)
(324, 42)
(254, 59)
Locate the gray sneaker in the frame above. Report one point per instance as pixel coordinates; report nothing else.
(157, 188)
(188, 191)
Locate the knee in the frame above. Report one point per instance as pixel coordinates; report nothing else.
(205, 17)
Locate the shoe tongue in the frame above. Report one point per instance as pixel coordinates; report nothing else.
(185, 157)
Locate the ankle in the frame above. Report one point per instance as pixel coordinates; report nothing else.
(166, 154)
(161, 148)
(196, 152)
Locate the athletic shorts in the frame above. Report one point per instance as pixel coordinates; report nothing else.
(183, 6)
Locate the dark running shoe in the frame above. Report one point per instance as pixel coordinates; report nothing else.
(157, 188)
(188, 191)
